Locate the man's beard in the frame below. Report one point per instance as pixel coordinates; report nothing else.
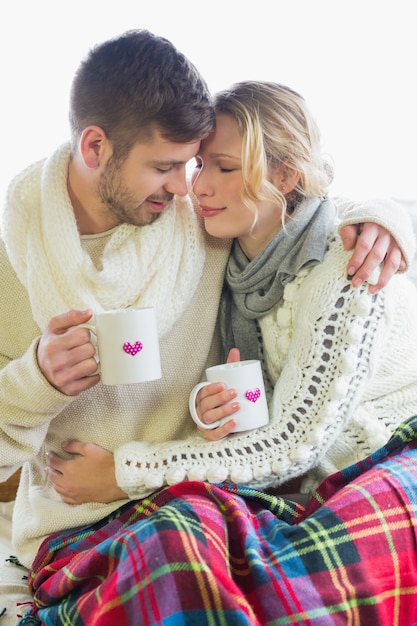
(118, 199)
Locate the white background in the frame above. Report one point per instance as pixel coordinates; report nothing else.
(354, 61)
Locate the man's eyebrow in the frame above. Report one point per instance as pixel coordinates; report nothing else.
(167, 162)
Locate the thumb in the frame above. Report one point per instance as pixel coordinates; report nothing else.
(61, 323)
(72, 447)
(234, 355)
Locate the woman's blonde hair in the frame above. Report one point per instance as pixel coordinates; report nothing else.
(276, 128)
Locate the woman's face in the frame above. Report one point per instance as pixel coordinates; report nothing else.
(218, 182)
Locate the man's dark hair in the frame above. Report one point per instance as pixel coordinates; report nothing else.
(137, 83)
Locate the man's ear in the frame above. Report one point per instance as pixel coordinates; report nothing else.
(94, 147)
(285, 178)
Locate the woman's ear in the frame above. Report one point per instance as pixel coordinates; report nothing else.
(285, 178)
(94, 147)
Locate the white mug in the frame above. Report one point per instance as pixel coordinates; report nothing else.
(246, 378)
(127, 345)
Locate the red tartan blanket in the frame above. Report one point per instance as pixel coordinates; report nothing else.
(223, 555)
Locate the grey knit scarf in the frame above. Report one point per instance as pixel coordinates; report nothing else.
(253, 288)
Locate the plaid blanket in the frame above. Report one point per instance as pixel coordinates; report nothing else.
(213, 555)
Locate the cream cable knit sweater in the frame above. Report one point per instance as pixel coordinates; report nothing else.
(345, 374)
(35, 417)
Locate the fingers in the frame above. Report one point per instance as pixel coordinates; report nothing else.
(66, 355)
(58, 470)
(87, 476)
(361, 264)
(375, 247)
(218, 433)
(59, 482)
(215, 402)
(393, 263)
(65, 342)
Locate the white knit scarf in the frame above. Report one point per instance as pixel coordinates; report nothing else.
(158, 265)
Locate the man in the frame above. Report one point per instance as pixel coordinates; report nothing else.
(106, 223)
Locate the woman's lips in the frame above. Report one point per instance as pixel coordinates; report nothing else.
(207, 211)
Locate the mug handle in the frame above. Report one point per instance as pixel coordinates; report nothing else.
(197, 420)
(93, 332)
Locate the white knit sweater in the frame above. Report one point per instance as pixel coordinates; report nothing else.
(345, 374)
(35, 417)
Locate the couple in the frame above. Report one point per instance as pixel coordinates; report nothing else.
(106, 223)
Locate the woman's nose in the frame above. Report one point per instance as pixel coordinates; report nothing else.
(199, 183)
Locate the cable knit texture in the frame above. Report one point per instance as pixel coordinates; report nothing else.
(344, 377)
(168, 265)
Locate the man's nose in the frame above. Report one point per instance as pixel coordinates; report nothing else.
(177, 184)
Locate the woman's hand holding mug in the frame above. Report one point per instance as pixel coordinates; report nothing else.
(235, 389)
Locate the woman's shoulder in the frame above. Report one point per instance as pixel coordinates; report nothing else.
(326, 285)
(332, 268)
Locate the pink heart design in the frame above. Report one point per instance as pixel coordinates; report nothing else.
(129, 349)
(253, 395)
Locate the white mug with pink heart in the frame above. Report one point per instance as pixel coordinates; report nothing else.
(127, 345)
(246, 378)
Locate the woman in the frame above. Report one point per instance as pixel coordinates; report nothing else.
(337, 359)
